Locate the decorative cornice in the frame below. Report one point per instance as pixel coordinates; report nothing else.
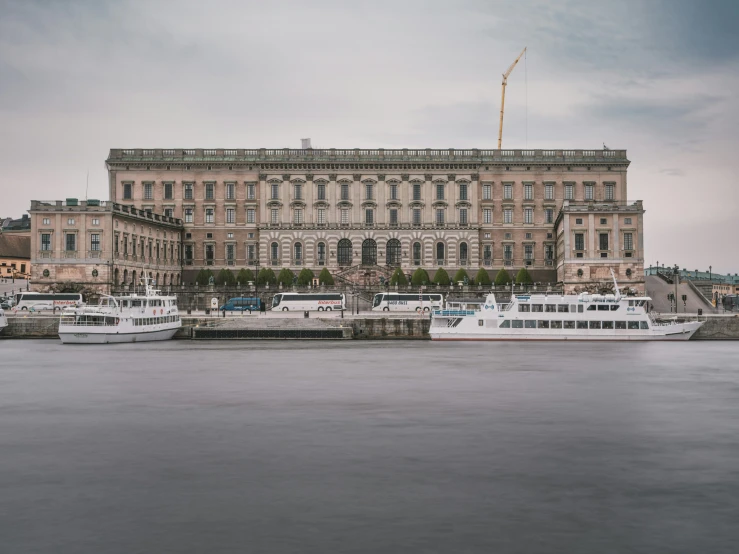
(308, 176)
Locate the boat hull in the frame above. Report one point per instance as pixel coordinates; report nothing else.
(79, 336)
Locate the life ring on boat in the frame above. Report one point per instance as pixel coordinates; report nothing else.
(117, 321)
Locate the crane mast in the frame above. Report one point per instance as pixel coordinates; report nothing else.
(502, 96)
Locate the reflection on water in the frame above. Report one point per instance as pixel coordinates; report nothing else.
(369, 447)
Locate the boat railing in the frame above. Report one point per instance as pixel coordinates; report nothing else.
(454, 313)
(102, 321)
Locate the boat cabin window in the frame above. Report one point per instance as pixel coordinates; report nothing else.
(643, 325)
(594, 324)
(136, 303)
(556, 324)
(603, 308)
(633, 324)
(551, 308)
(631, 303)
(537, 308)
(614, 308)
(543, 324)
(592, 308)
(620, 325)
(568, 324)
(517, 324)
(563, 308)
(579, 308)
(505, 325)
(530, 324)
(582, 324)
(608, 325)
(524, 308)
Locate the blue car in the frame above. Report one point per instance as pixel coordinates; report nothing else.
(242, 305)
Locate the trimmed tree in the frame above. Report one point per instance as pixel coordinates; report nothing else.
(502, 278)
(203, 277)
(523, 277)
(305, 277)
(244, 276)
(285, 277)
(420, 277)
(266, 276)
(225, 277)
(461, 275)
(441, 277)
(325, 277)
(483, 278)
(398, 278)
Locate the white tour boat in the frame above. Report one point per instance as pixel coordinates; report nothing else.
(3, 320)
(555, 317)
(129, 318)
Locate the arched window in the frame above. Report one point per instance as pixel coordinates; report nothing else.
(440, 253)
(463, 249)
(157, 280)
(392, 252)
(344, 255)
(321, 252)
(133, 279)
(369, 252)
(298, 253)
(274, 250)
(416, 253)
(116, 276)
(125, 277)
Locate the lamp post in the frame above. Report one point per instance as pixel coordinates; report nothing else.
(710, 273)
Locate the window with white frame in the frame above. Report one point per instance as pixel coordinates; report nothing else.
(528, 252)
(188, 191)
(508, 252)
(369, 191)
(627, 221)
(274, 251)
(549, 215)
(528, 215)
(70, 221)
(589, 191)
(440, 216)
(463, 191)
(298, 191)
(275, 191)
(345, 191)
(416, 191)
(210, 193)
(579, 241)
(508, 191)
(487, 191)
(230, 252)
(321, 191)
(230, 215)
(230, 191)
(251, 252)
(71, 242)
(321, 216)
(628, 241)
(548, 251)
(168, 212)
(95, 221)
(487, 215)
(528, 191)
(127, 191)
(46, 221)
(463, 216)
(603, 241)
(609, 191)
(46, 241)
(569, 191)
(274, 216)
(298, 216)
(439, 191)
(369, 216)
(393, 191)
(229, 235)
(549, 191)
(416, 216)
(95, 242)
(487, 253)
(508, 215)
(148, 191)
(344, 216)
(209, 217)
(393, 216)
(251, 191)
(188, 215)
(251, 215)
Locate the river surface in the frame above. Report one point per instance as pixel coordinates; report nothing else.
(369, 447)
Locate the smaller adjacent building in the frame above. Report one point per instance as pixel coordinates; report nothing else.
(99, 246)
(15, 255)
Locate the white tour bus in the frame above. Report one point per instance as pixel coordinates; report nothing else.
(407, 302)
(42, 301)
(320, 302)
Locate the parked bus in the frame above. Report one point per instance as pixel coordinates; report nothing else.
(731, 303)
(43, 301)
(309, 302)
(242, 304)
(395, 302)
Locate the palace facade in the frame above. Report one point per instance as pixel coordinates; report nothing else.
(563, 214)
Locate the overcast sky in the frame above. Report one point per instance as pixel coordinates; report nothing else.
(658, 78)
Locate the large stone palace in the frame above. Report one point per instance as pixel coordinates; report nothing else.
(563, 214)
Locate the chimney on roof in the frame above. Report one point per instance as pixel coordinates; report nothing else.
(306, 143)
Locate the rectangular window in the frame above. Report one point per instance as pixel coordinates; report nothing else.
(487, 192)
(463, 191)
(209, 252)
(188, 191)
(569, 192)
(321, 191)
(168, 212)
(549, 215)
(230, 191)
(275, 215)
(209, 191)
(148, 191)
(230, 215)
(508, 251)
(45, 241)
(369, 191)
(71, 242)
(46, 221)
(528, 252)
(393, 192)
(95, 221)
(548, 252)
(439, 191)
(127, 191)
(628, 241)
(508, 215)
(275, 191)
(321, 216)
(70, 221)
(487, 252)
(463, 216)
(549, 191)
(416, 191)
(508, 191)
(579, 241)
(528, 191)
(369, 216)
(528, 215)
(440, 217)
(298, 192)
(230, 248)
(416, 216)
(168, 191)
(298, 216)
(609, 191)
(589, 192)
(627, 221)
(188, 215)
(393, 216)
(251, 251)
(487, 215)
(95, 242)
(209, 215)
(344, 191)
(251, 191)
(251, 215)
(603, 241)
(345, 216)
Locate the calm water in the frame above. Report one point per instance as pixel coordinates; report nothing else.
(369, 447)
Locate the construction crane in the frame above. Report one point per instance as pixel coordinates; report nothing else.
(502, 96)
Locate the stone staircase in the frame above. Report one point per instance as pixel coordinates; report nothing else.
(364, 275)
